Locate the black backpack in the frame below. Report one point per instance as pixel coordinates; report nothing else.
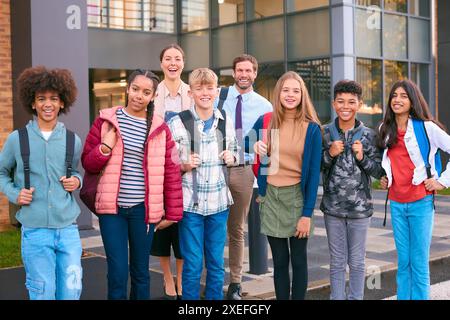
(25, 155)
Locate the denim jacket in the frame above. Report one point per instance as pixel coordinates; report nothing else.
(52, 206)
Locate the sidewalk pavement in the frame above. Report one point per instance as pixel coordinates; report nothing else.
(380, 257)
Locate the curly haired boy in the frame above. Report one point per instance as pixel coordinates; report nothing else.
(51, 246)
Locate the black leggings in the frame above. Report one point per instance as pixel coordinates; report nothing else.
(280, 254)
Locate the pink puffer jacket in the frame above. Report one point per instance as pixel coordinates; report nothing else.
(161, 168)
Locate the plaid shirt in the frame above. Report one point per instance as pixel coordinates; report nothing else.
(213, 193)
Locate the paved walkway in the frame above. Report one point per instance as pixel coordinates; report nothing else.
(380, 257)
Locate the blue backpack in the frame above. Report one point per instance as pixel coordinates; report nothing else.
(425, 148)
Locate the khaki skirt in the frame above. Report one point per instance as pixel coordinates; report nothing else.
(280, 209)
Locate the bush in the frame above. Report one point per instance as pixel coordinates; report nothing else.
(10, 249)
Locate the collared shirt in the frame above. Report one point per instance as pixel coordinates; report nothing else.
(180, 102)
(253, 106)
(213, 193)
(172, 104)
(52, 206)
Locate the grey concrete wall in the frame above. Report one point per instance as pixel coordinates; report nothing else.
(342, 41)
(121, 49)
(55, 35)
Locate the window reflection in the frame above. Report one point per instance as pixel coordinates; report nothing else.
(419, 7)
(419, 36)
(97, 13)
(258, 9)
(300, 5)
(229, 11)
(394, 71)
(146, 15)
(194, 15)
(394, 36)
(368, 3)
(368, 33)
(369, 76)
(395, 5)
(227, 43)
(420, 75)
(303, 44)
(266, 40)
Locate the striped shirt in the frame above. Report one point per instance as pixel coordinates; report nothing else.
(213, 193)
(132, 179)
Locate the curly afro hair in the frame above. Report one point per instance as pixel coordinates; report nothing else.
(348, 86)
(40, 79)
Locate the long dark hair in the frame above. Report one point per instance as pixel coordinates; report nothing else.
(419, 110)
(151, 106)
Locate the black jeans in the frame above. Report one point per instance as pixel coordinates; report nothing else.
(282, 250)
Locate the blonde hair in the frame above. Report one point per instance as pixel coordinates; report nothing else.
(202, 76)
(305, 109)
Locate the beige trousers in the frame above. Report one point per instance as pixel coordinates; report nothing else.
(241, 187)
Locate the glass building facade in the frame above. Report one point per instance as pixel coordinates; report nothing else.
(374, 42)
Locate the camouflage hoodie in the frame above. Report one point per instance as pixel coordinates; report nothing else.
(346, 181)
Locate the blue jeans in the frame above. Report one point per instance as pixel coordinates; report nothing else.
(413, 226)
(52, 261)
(203, 235)
(118, 230)
(347, 245)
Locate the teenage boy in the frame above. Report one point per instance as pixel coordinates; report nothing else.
(206, 197)
(244, 106)
(51, 246)
(350, 157)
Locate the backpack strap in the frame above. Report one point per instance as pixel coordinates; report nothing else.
(424, 143)
(221, 126)
(334, 131)
(222, 97)
(70, 150)
(358, 135)
(25, 154)
(188, 121)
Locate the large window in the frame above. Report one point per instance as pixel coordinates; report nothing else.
(394, 37)
(268, 75)
(227, 12)
(317, 77)
(369, 75)
(395, 5)
(97, 12)
(266, 40)
(368, 3)
(196, 47)
(194, 15)
(145, 15)
(303, 44)
(227, 43)
(258, 9)
(419, 37)
(368, 33)
(419, 8)
(420, 75)
(394, 71)
(300, 5)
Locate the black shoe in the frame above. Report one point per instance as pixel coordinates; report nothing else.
(167, 296)
(234, 291)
